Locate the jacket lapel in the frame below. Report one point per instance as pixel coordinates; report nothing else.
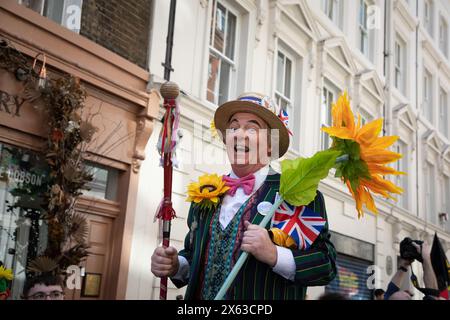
(272, 186)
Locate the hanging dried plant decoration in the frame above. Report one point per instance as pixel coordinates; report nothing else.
(61, 99)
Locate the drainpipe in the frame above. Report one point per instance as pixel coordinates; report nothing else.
(385, 65)
(417, 108)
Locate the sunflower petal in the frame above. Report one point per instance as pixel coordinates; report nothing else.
(369, 132)
(370, 203)
(383, 170)
(386, 185)
(384, 142)
(379, 156)
(347, 114)
(343, 133)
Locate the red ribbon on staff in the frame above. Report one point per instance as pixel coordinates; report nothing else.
(166, 146)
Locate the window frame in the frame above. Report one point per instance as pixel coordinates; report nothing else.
(428, 18)
(336, 14)
(401, 165)
(282, 95)
(222, 57)
(430, 193)
(330, 88)
(399, 66)
(427, 99)
(443, 112)
(44, 7)
(443, 35)
(363, 30)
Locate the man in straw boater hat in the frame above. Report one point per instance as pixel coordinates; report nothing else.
(254, 131)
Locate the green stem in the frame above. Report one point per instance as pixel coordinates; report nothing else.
(342, 158)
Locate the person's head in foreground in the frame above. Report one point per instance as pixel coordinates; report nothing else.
(333, 296)
(43, 287)
(378, 294)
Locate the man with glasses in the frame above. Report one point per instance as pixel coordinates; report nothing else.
(43, 287)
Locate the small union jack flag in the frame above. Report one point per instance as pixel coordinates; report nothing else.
(285, 118)
(301, 223)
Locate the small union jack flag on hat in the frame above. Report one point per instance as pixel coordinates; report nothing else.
(284, 117)
(301, 223)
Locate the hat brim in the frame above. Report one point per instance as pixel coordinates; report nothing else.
(224, 113)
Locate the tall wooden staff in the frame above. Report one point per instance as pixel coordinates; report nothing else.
(167, 141)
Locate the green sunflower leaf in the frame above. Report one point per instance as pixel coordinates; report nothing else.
(300, 177)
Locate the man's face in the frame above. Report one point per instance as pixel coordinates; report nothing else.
(42, 292)
(247, 140)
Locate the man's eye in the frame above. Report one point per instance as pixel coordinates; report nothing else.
(252, 130)
(233, 129)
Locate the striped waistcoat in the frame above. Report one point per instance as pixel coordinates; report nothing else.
(256, 280)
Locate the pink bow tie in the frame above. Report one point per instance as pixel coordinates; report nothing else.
(247, 183)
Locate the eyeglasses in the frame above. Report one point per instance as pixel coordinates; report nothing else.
(54, 295)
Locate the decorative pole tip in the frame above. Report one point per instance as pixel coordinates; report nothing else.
(170, 90)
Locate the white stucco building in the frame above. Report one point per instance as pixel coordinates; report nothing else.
(393, 59)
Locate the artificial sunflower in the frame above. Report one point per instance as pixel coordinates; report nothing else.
(6, 273)
(282, 239)
(365, 168)
(207, 191)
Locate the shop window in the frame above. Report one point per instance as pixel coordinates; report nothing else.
(104, 182)
(351, 279)
(23, 234)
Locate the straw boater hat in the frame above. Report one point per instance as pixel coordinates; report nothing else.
(260, 105)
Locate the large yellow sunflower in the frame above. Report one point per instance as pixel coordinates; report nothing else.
(207, 191)
(365, 169)
(6, 273)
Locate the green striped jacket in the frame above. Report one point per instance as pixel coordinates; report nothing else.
(256, 280)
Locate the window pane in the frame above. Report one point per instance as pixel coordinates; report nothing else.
(54, 9)
(362, 13)
(23, 234)
(35, 5)
(213, 21)
(331, 9)
(224, 84)
(287, 79)
(431, 203)
(443, 112)
(104, 182)
(397, 54)
(219, 34)
(280, 72)
(364, 42)
(327, 99)
(213, 80)
(231, 36)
